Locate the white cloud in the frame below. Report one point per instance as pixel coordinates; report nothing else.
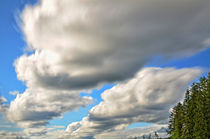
(152, 89)
(80, 44)
(145, 98)
(14, 93)
(35, 107)
(3, 100)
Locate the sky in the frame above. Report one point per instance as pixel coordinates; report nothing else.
(98, 69)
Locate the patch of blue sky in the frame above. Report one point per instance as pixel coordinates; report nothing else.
(96, 93)
(80, 113)
(200, 59)
(6, 125)
(12, 45)
(140, 124)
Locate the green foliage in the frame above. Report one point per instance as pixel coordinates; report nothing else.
(190, 120)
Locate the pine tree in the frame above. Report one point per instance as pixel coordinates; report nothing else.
(199, 99)
(176, 121)
(188, 124)
(192, 119)
(208, 105)
(171, 122)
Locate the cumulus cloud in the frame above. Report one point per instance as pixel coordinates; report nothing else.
(35, 107)
(145, 98)
(80, 44)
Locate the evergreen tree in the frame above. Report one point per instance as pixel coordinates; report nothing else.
(171, 122)
(192, 119)
(188, 124)
(208, 105)
(178, 121)
(175, 122)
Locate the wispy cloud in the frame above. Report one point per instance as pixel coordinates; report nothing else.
(14, 93)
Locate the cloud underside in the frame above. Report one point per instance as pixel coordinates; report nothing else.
(80, 45)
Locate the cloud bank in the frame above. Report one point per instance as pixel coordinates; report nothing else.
(145, 98)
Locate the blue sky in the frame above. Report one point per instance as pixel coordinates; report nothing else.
(13, 45)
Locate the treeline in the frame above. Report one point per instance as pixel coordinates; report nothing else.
(191, 119)
(147, 137)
